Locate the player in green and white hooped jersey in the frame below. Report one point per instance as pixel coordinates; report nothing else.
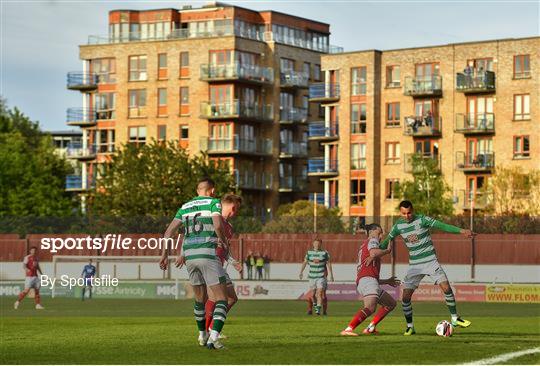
(203, 231)
(319, 261)
(414, 229)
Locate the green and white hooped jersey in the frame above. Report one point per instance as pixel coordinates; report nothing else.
(200, 238)
(417, 237)
(317, 260)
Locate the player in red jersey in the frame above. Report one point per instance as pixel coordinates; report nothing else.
(368, 283)
(32, 268)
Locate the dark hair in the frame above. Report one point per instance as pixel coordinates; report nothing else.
(209, 182)
(371, 227)
(33, 247)
(405, 204)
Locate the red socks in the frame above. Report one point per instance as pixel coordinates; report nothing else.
(209, 312)
(359, 317)
(381, 313)
(37, 298)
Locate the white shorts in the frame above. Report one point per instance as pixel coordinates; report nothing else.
(369, 287)
(32, 282)
(207, 272)
(416, 273)
(315, 283)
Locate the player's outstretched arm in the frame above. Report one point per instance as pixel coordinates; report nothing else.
(392, 281)
(302, 269)
(217, 220)
(447, 227)
(329, 266)
(171, 229)
(391, 235)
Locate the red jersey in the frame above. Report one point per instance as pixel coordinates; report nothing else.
(221, 253)
(31, 265)
(374, 268)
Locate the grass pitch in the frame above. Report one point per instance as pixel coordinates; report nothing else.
(104, 331)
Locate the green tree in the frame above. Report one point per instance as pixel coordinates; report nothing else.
(32, 175)
(153, 180)
(428, 191)
(297, 217)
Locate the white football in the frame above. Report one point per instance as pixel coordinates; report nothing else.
(444, 329)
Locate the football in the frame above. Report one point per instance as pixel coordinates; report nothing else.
(444, 329)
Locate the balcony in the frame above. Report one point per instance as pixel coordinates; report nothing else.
(237, 110)
(477, 82)
(290, 115)
(294, 79)
(293, 150)
(319, 132)
(237, 72)
(236, 145)
(74, 183)
(413, 163)
(253, 181)
(81, 117)
(322, 168)
(418, 126)
(292, 184)
(481, 162)
(77, 151)
(358, 164)
(324, 92)
(82, 81)
(474, 200)
(302, 42)
(475, 124)
(423, 87)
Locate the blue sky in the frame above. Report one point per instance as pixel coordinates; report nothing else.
(39, 40)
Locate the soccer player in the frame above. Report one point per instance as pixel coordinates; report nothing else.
(319, 262)
(368, 283)
(88, 273)
(414, 229)
(230, 205)
(32, 268)
(203, 230)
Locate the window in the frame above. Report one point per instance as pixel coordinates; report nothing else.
(390, 185)
(358, 118)
(317, 72)
(522, 67)
(426, 71)
(358, 192)
(521, 147)
(392, 114)
(137, 135)
(427, 148)
(184, 132)
(184, 64)
(393, 76)
(105, 141)
(359, 81)
(522, 107)
(286, 65)
(137, 68)
(184, 100)
(162, 132)
(104, 104)
(358, 156)
(162, 101)
(392, 153)
(305, 103)
(162, 66)
(137, 103)
(307, 70)
(105, 69)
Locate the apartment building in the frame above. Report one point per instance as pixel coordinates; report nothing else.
(221, 79)
(469, 106)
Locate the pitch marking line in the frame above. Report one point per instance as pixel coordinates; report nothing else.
(504, 357)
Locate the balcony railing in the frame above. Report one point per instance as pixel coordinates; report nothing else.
(476, 82)
(237, 109)
(321, 166)
(474, 200)
(77, 80)
(292, 184)
(250, 180)
(237, 71)
(300, 42)
(324, 92)
(411, 159)
(422, 126)
(294, 79)
(423, 86)
(319, 131)
(480, 123)
(77, 151)
(358, 164)
(469, 162)
(75, 183)
(81, 117)
(293, 115)
(320, 198)
(235, 145)
(293, 150)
